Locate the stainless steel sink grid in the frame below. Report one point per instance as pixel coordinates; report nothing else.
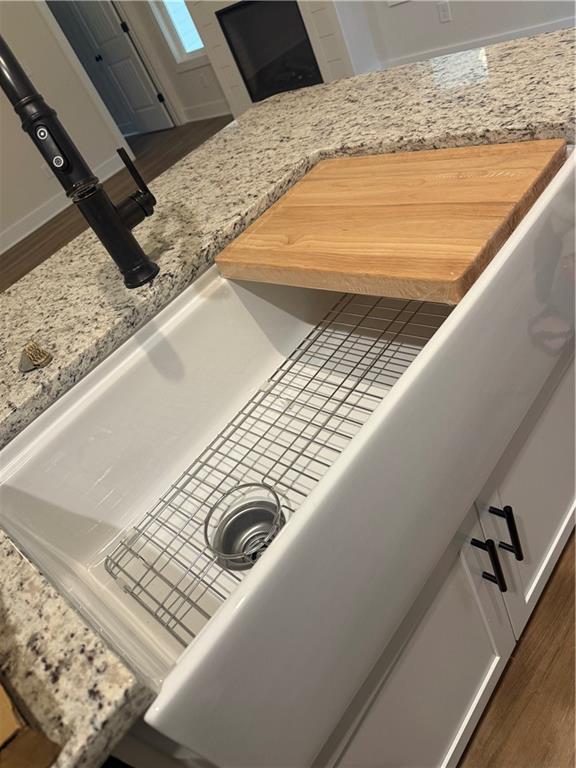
(286, 437)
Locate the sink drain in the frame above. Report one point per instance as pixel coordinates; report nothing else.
(242, 524)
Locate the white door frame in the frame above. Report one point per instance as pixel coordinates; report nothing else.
(149, 55)
(149, 62)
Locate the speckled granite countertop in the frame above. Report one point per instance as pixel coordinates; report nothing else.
(76, 690)
(76, 306)
(75, 303)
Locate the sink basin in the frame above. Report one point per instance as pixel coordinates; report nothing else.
(373, 422)
(116, 444)
(231, 391)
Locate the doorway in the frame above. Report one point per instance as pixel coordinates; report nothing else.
(102, 42)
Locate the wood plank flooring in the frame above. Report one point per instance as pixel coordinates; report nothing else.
(529, 722)
(155, 153)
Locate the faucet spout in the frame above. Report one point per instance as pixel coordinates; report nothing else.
(112, 224)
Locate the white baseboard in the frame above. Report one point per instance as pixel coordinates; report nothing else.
(48, 209)
(479, 42)
(216, 108)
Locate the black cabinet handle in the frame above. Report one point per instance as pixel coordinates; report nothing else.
(515, 546)
(498, 576)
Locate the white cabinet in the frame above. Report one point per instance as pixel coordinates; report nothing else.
(440, 669)
(535, 478)
(428, 691)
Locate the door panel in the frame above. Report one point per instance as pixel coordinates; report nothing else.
(93, 29)
(536, 478)
(131, 84)
(434, 692)
(102, 26)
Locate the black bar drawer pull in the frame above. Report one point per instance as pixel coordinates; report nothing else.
(498, 576)
(515, 547)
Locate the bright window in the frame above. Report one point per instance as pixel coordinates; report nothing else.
(178, 27)
(183, 24)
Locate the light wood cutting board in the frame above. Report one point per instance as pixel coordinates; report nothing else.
(419, 225)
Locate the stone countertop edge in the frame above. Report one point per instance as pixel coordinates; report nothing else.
(76, 306)
(71, 685)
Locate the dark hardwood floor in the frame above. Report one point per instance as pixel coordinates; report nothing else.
(155, 153)
(529, 722)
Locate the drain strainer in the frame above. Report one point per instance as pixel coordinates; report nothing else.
(241, 525)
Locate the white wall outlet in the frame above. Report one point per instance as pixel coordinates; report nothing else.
(444, 12)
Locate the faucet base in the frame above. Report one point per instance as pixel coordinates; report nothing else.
(142, 274)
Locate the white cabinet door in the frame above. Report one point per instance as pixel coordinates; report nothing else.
(433, 692)
(535, 477)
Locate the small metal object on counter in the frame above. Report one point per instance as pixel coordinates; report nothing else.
(33, 356)
(111, 223)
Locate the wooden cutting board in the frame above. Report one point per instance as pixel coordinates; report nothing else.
(418, 225)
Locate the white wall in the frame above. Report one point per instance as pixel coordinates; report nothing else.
(191, 87)
(229, 77)
(412, 30)
(358, 36)
(29, 193)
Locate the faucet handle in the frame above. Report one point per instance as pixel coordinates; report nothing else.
(137, 206)
(134, 172)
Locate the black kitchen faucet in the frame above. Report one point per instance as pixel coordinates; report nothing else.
(111, 223)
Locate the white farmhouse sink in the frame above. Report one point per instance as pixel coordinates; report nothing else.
(114, 445)
(368, 517)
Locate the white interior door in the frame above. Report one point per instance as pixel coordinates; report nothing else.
(106, 51)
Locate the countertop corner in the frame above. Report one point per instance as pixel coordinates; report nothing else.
(73, 687)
